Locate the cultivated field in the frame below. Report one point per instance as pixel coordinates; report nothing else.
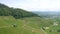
(31, 25)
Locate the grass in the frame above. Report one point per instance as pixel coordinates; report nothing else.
(30, 25)
(7, 22)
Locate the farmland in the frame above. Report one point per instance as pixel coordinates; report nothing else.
(32, 25)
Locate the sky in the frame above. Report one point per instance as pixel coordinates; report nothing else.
(34, 5)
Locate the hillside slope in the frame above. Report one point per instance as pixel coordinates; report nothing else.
(31, 25)
(15, 12)
(10, 25)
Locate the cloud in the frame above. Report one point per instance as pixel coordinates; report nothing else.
(34, 5)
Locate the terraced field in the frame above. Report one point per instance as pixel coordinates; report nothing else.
(21, 26)
(32, 25)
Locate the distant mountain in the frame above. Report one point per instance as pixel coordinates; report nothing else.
(51, 13)
(15, 12)
(48, 14)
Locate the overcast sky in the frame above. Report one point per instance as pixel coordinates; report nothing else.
(34, 5)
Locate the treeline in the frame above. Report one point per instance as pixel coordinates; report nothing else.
(15, 12)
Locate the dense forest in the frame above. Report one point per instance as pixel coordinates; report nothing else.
(15, 12)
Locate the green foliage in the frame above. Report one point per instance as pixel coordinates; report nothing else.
(15, 12)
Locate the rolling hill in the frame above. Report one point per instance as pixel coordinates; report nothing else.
(19, 21)
(15, 12)
(48, 14)
(10, 25)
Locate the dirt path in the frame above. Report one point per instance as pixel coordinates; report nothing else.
(44, 31)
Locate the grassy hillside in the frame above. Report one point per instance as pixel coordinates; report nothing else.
(19, 21)
(31, 25)
(21, 26)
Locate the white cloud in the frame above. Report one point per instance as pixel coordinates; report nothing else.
(36, 5)
(51, 5)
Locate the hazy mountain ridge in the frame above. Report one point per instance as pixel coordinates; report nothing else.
(48, 14)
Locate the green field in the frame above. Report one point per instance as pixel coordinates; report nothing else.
(22, 27)
(31, 25)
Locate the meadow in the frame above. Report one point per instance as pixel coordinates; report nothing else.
(31, 25)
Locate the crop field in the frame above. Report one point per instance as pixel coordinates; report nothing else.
(31, 25)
